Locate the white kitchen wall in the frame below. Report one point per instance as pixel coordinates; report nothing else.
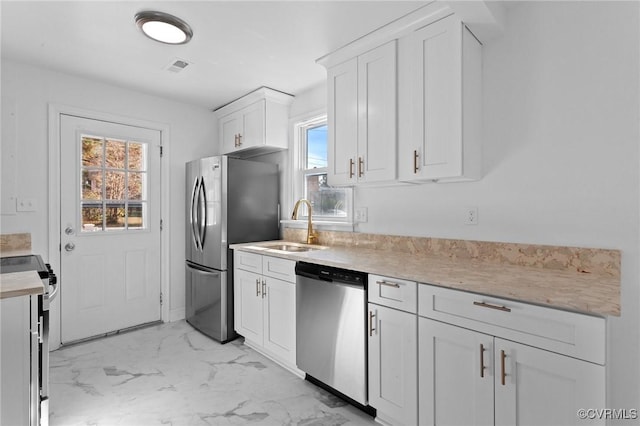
(561, 157)
(32, 89)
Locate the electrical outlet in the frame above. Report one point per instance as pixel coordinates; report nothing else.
(27, 205)
(361, 215)
(471, 216)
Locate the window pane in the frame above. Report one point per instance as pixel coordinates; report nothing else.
(135, 217)
(326, 201)
(137, 156)
(114, 186)
(115, 154)
(91, 185)
(317, 147)
(91, 217)
(115, 214)
(91, 152)
(135, 186)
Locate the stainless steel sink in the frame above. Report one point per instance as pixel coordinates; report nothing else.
(292, 248)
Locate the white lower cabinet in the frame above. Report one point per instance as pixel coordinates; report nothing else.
(477, 378)
(454, 389)
(265, 306)
(393, 350)
(544, 388)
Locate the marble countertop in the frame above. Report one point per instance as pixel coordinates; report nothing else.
(584, 292)
(15, 284)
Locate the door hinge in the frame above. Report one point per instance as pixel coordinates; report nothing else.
(161, 224)
(161, 151)
(160, 298)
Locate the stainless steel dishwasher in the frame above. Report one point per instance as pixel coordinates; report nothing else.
(331, 336)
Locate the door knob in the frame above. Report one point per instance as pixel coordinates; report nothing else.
(69, 246)
(68, 230)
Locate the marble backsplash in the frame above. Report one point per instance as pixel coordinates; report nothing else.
(576, 259)
(18, 243)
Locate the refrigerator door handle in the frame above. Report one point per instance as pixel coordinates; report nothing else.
(203, 209)
(193, 214)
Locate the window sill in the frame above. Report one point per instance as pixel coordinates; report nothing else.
(319, 225)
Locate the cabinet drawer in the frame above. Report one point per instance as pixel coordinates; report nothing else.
(248, 261)
(282, 269)
(392, 292)
(577, 335)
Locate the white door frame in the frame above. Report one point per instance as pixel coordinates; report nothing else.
(55, 253)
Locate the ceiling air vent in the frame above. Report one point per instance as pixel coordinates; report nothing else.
(177, 65)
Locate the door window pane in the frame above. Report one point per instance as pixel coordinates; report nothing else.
(113, 184)
(115, 154)
(91, 184)
(91, 152)
(114, 188)
(91, 217)
(135, 186)
(137, 153)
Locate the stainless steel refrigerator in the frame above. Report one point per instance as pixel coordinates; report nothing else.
(228, 201)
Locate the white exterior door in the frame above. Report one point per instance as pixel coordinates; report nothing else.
(110, 227)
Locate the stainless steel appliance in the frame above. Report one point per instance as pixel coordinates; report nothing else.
(229, 201)
(38, 402)
(331, 342)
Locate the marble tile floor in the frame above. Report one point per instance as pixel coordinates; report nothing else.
(170, 374)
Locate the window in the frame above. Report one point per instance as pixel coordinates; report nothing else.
(328, 203)
(113, 187)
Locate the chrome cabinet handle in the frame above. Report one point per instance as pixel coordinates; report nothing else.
(482, 367)
(351, 164)
(415, 161)
(490, 306)
(264, 289)
(69, 246)
(360, 166)
(257, 287)
(388, 284)
(371, 329)
(239, 139)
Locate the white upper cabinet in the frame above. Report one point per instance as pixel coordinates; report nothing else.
(362, 118)
(254, 124)
(440, 103)
(404, 102)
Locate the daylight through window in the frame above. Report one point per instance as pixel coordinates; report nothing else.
(114, 184)
(329, 203)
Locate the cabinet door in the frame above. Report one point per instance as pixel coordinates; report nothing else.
(248, 305)
(280, 319)
(456, 375)
(393, 365)
(228, 130)
(537, 387)
(252, 133)
(437, 102)
(342, 118)
(377, 114)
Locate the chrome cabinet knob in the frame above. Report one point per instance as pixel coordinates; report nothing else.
(69, 246)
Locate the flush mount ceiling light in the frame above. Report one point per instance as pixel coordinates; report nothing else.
(163, 27)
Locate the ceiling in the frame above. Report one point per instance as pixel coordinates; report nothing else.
(237, 46)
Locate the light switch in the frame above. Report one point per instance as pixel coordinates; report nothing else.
(27, 205)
